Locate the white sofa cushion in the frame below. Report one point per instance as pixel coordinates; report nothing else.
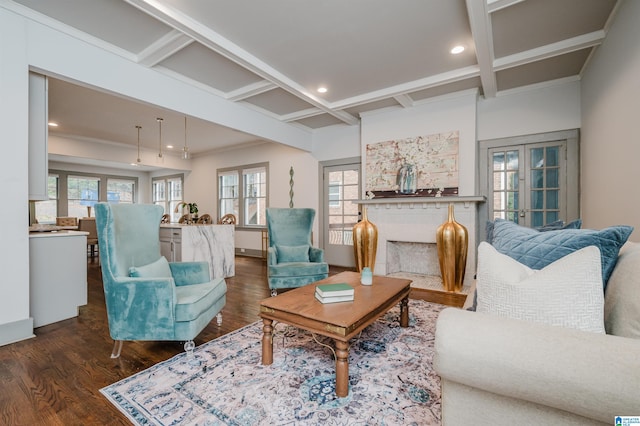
(567, 292)
(622, 297)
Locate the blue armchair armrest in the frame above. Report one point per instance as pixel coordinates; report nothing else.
(188, 273)
(149, 311)
(316, 255)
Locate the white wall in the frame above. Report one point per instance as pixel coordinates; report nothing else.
(336, 143)
(15, 323)
(201, 184)
(610, 136)
(529, 111)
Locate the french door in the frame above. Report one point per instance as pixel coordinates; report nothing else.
(341, 190)
(531, 180)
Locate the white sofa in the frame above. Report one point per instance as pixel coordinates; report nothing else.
(498, 371)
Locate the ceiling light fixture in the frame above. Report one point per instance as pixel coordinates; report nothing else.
(52, 124)
(138, 160)
(160, 157)
(185, 150)
(457, 49)
(322, 89)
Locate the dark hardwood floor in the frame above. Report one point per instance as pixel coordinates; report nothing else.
(54, 378)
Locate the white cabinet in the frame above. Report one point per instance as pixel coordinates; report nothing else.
(38, 136)
(57, 275)
(171, 244)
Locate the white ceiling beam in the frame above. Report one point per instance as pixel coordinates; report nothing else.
(405, 100)
(214, 41)
(299, 115)
(164, 47)
(412, 86)
(495, 5)
(250, 90)
(483, 40)
(550, 50)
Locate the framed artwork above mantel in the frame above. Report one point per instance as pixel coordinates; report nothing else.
(420, 166)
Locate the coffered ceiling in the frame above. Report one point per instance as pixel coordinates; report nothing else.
(272, 56)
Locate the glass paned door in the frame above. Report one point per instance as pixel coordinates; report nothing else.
(341, 191)
(506, 188)
(545, 170)
(528, 183)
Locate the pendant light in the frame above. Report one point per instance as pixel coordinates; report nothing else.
(185, 149)
(138, 160)
(160, 157)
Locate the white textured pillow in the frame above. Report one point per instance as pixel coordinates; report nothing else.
(566, 293)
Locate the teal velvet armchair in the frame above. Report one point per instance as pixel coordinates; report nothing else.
(291, 260)
(148, 298)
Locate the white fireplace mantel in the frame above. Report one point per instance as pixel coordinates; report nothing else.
(424, 201)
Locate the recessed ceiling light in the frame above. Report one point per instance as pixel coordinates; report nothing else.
(457, 49)
(170, 146)
(52, 124)
(322, 89)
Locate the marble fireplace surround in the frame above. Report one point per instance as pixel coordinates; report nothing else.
(407, 228)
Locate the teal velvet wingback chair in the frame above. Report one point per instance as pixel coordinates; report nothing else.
(147, 297)
(291, 260)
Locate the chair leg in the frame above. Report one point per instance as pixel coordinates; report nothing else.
(219, 319)
(274, 292)
(189, 346)
(117, 348)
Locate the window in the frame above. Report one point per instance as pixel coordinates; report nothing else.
(120, 190)
(82, 192)
(75, 192)
(46, 211)
(335, 190)
(167, 192)
(244, 186)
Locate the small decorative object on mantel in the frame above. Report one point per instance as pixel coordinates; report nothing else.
(452, 242)
(407, 179)
(365, 242)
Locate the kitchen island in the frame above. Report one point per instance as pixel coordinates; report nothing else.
(211, 243)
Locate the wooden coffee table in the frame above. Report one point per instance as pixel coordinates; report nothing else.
(339, 321)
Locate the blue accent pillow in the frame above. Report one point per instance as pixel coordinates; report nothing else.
(292, 253)
(538, 249)
(553, 226)
(158, 269)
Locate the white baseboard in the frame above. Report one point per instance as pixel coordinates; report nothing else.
(16, 331)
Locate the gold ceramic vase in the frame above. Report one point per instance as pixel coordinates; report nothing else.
(452, 241)
(365, 242)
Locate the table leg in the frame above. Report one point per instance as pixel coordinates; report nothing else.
(267, 341)
(404, 312)
(342, 369)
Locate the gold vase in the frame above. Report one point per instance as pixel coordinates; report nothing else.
(365, 242)
(452, 241)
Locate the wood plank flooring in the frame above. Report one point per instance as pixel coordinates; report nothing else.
(54, 378)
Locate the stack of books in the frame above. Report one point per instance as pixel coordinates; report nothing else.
(332, 293)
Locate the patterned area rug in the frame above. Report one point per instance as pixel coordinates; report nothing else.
(391, 380)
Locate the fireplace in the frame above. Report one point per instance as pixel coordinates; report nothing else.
(407, 236)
